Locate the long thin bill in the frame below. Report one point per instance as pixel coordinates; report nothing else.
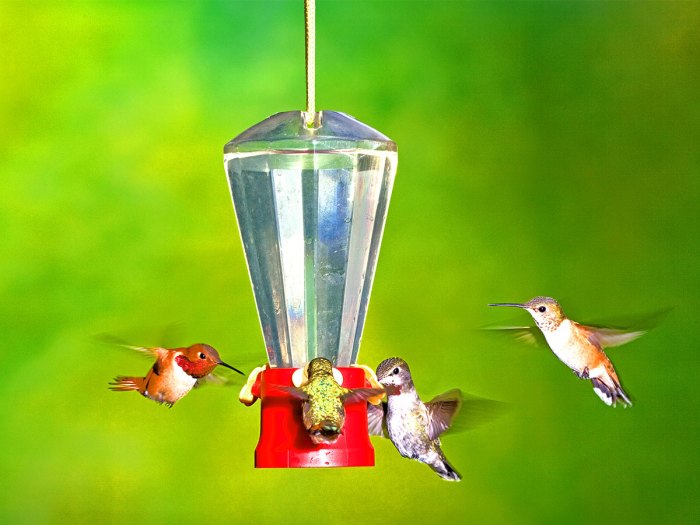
(221, 363)
(516, 305)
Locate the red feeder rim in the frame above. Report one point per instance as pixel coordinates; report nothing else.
(285, 443)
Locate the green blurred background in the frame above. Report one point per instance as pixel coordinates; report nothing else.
(545, 148)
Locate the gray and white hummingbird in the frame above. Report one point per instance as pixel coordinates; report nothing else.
(580, 347)
(414, 427)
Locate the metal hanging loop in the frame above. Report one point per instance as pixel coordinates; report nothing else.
(311, 119)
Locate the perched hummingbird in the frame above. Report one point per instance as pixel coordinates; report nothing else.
(323, 406)
(580, 347)
(414, 427)
(175, 372)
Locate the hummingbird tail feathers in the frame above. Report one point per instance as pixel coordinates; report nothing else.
(610, 391)
(125, 384)
(446, 471)
(325, 432)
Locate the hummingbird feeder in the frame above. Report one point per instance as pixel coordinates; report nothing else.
(310, 192)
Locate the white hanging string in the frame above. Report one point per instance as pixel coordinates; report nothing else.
(310, 25)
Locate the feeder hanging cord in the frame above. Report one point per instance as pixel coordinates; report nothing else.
(310, 24)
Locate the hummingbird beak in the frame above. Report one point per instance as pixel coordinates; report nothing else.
(516, 305)
(221, 363)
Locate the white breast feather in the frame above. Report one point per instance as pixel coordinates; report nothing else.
(183, 381)
(559, 341)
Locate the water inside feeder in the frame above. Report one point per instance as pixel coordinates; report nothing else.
(311, 206)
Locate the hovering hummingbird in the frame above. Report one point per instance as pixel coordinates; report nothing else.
(412, 426)
(580, 347)
(175, 372)
(323, 407)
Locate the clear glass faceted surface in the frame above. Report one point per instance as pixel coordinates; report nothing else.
(311, 206)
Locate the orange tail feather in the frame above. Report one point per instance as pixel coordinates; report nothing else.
(125, 384)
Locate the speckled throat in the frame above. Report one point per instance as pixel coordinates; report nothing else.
(549, 324)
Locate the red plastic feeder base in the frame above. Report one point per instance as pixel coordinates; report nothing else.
(284, 442)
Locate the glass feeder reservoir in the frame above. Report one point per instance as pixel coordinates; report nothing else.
(311, 204)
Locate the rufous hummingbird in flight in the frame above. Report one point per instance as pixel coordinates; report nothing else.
(175, 372)
(580, 347)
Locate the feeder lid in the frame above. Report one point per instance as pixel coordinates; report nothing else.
(287, 131)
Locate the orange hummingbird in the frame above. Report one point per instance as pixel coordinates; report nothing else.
(175, 372)
(580, 347)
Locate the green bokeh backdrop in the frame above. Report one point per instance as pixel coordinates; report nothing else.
(545, 148)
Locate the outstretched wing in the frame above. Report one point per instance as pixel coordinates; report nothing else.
(621, 331)
(473, 412)
(215, 378)
(109, 339)
(442, 410)
(530, 335)
(376, 423)
(361, 394)
(607, 337)
(293, 391)
(477, 411)
(219, 378)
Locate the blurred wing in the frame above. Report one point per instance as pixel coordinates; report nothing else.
(616, 333)
(633, 323)
(442, 410)
(607, 337)
(361, 394)
(172, 334)
(219, 377)
(530, 335)
(375, 419)
(147, 351)
(476, 411)
(213, 379)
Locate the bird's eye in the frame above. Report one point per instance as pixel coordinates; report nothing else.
(395, 371)
(202, 356)
(542, 308)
